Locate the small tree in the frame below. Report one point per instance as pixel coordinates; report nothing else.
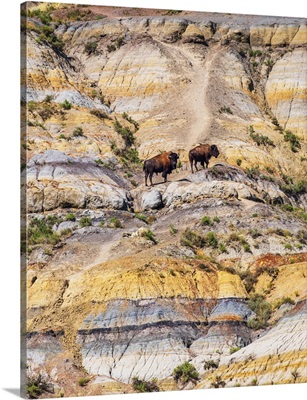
(186, 372)
(143, 386)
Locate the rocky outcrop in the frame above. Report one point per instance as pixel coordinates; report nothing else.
(289, 113)
(55, 180)
(277, 356)
(152, 67)
(151, 200)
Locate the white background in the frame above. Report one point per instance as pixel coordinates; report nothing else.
(9, 215)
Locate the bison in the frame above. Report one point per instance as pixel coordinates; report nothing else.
(202, 153)
(164, 163)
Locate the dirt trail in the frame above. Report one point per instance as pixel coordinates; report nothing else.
(200, 113)
(198, 68)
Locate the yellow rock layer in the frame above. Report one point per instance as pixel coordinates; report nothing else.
(192, 30)
(262, 370)
(230, 285)
(278, 36)
(125, 278)
(290, 282)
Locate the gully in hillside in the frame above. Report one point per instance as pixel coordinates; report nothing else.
(164, 163)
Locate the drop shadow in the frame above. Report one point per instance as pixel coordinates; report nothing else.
(14, 391)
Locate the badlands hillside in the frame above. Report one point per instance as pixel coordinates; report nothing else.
(198, 282)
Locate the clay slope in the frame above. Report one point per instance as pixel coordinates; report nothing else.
(126, 281)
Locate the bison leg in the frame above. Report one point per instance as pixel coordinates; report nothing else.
(164, 175)
(150, 178)
(191, 163)
(146, 176)
(195, 163)
(202, 164)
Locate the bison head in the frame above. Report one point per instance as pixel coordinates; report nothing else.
(173, 159)
(214, 151)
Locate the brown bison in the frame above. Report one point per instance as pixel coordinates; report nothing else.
(202, 153)
(164, 163)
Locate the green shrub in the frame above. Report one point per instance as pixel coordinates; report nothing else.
(252, 172)
(287, 207)
(284, 300)
(172, 229)
(216, 219)
(254, 382)
(278, 232)
(204, 267)
(133, 182)
(226, 110)
(206, 221)
(234, 349)
(149, 235)
(222, 248)
(246, 247)
(36, 385)
(66, 105)
(192, 239)
(83, 381)
(295, 375)
(70, 217)
(131, 155)
(218, 382)
(211, 240)
(132, 121)
(249, 280)
(142, 217)
(33, 391)
(269, 63)
(85, 221)
(111, 47)
(235, 237)
(78, 132)
(120, 41)
(293, 140)
(125, 133)
(48, 98)
(65, 232)
(255, 53)
(288, 246)
(45, 112)
(260, 139)
(254, 233)
(115, 223)
(262, 309)
(44, 16)
(99, 113)
(185, 372)
(39, 232)
(48, 37)
(239, 162)
(210, 364)
(302, 236)
(90, 48)
(143, 386)
(269, 169)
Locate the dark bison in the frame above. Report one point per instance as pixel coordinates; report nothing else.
(164, 163)
(202, 153)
